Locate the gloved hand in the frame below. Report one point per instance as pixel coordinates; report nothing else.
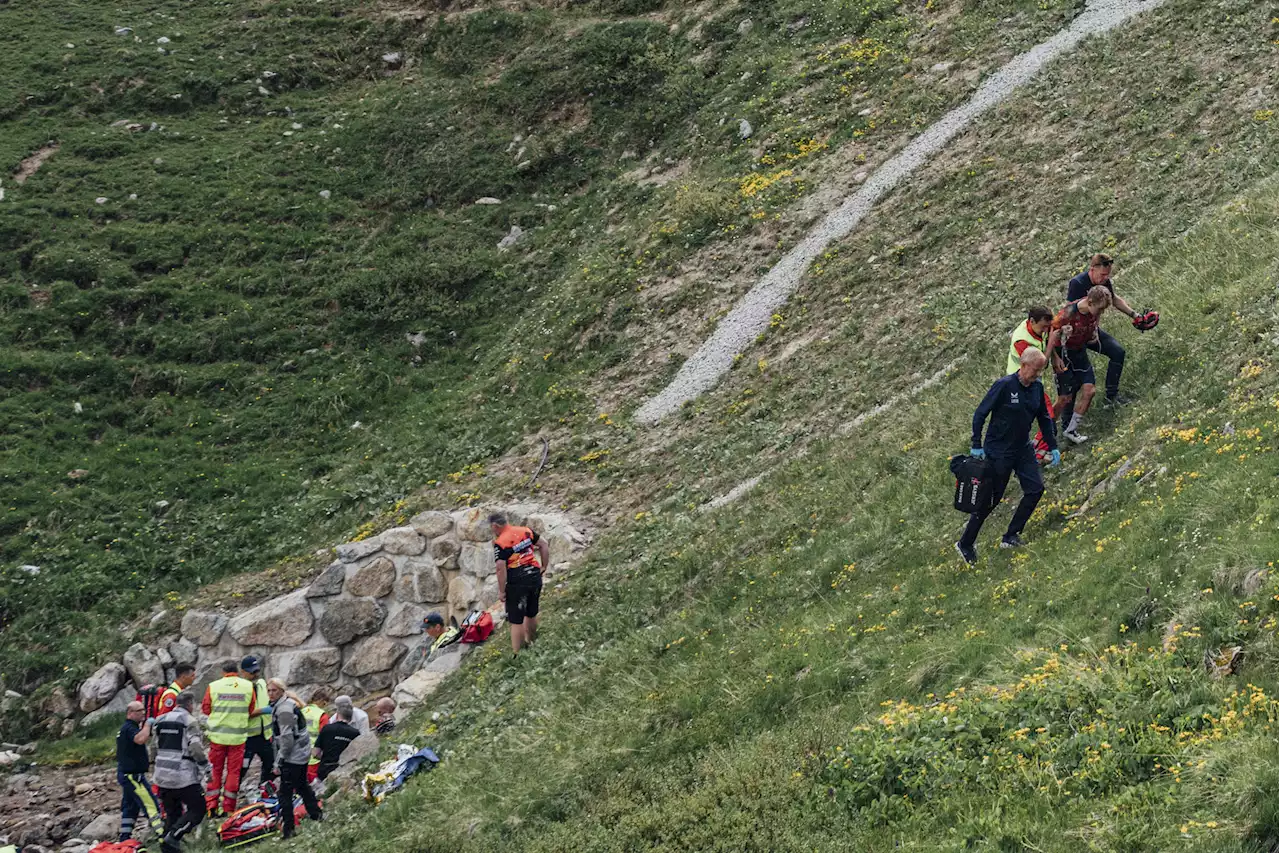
(1055, 457)
(977, 453)
(268, 710)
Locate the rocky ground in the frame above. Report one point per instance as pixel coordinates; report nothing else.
(55, 808)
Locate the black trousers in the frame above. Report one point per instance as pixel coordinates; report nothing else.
(999, 469)
(261, 747)
(184, 808)
(1111, 348)
(293, 777)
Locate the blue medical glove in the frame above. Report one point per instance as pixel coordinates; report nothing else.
(978, 453)
(1055, 457)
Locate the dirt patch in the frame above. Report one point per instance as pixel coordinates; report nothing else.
(32, 164)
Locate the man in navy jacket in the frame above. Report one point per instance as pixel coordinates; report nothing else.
(1012, 404)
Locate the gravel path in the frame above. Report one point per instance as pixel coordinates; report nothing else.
(750, 316)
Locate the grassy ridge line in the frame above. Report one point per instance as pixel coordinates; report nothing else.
(696, 694)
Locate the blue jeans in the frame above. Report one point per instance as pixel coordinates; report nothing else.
(999, 468)
(1111, 348)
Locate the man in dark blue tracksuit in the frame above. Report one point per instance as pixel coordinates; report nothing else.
(1013, 402)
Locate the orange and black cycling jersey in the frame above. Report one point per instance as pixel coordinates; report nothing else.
(515, 547)
(1083, 326)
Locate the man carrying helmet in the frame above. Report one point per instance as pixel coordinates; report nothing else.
(1098, 274)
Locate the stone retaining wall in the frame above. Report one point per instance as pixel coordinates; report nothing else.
(356, 626)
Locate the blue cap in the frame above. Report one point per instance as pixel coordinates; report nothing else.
(251, 664)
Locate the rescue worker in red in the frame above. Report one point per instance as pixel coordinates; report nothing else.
(520, 559)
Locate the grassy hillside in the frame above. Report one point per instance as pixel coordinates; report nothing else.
(797, 669)
(811, 667)
(226, 332)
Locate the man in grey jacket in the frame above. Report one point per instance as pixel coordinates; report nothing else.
(293, 751)
(179, 773)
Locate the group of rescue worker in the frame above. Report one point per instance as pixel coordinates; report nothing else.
(247, 716)
(1016, 400)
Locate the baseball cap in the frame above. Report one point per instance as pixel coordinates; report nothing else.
(251, 664)
(433, 618)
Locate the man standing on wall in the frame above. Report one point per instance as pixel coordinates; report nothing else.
(519, 572)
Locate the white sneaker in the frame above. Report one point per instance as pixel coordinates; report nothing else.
(1075, 437)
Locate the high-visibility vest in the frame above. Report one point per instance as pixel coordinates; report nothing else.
(313, 714)
(261, 724)
(229, 700)
(1023, 334)
(172, 690)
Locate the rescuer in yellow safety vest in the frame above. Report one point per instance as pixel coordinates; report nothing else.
(228, 703)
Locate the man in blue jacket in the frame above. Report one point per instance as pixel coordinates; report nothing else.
(1013, 403)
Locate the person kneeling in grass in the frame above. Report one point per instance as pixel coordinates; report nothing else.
(1012, 403)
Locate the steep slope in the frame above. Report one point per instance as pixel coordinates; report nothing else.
(704, 678)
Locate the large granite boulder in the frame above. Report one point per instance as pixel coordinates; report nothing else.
(348, 618)
(329, 581)
(143, 665)
(403, 540)
(405, 619)
(476, 560)
(374, 579)
(352, 552)
(420, 581)
(284, 621)
(308, 666)
(98, 689)
(203, 627)
(445, 551)
(462, 594)
(373, 655)
(118, 705)
(473, 525)
(432, 524)
(415, 689)
(183, 652)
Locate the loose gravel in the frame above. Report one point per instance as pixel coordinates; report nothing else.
(751, 315)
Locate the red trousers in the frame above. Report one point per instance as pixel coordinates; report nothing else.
(232, 757)
(312, 771)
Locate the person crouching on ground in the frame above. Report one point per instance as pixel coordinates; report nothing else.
(1013, 402)
(386, 721)
(335, 737)
(1075, 327)
(293, 748)
(519, 572)
(180, 761)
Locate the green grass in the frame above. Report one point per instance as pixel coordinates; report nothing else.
(705, 681)
(223, 331)
(810, 668)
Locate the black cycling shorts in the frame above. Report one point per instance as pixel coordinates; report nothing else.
(522, 598)
(1079, 373)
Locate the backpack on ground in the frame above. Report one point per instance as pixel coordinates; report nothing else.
(969, 472)
(149, 695)
(477, 627)
(258, 820)
(130, 846)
